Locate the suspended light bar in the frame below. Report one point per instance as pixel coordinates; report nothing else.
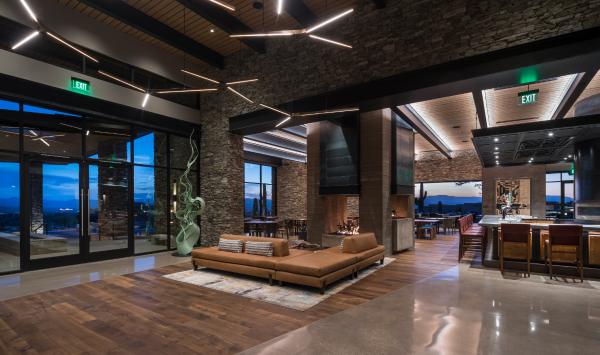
(283, 121)
(146, 97)
(328, 112)
(33, 132)
(122, 81)
(269, 34)
(274, 147)
(330, 41)
(274, 109)
(44, 141)
(279, 7)
(241, 82)
(26, 39)
(222, 4)
(29, 11)
(240, 95)
(200, 76)
(183, 91)
(328, 21)
(72, 47)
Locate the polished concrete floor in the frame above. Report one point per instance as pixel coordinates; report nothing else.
(459, 311)
(27, 283)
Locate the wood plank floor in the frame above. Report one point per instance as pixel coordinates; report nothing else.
(145, 313)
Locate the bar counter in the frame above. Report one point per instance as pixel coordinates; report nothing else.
(539, 233)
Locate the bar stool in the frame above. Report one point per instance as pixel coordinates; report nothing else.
(518, 234)
(566, 235)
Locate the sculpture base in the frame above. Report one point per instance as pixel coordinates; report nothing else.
(176, 253)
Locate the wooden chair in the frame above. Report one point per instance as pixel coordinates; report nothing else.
(518, 235)
(565, 235)
(469, 235)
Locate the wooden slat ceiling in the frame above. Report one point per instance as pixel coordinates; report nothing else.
(593, 88)
(171, 13)
(504, 109)
(451, 117)
(422, 145)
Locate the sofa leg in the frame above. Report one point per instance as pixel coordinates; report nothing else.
(280, 283)
(194, 265)
(270, 280)
(381, 261)
(322, 290)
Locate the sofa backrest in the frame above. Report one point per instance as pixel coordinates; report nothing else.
(280, 246)
(359, 243)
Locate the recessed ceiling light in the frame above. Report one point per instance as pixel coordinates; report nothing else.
(496, 153)
(496, 139)
(550, 134)
(565, 158)
(212, 30)
(570, 155)
(495, 148)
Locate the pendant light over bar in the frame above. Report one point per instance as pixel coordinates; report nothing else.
(222, 4)
(26, 39)
(274, 109)
(241, 81)
(239, 94)
(184, 91)
(70, 46)
(29, 11)
(326, 112)
(121, 81)
(200, 76)
(330, 41)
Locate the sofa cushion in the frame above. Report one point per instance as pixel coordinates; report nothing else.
(316, 264)
(280, 246)
(259, 248)
(380, 249)
(360, 242)
(230, 245)
(234, 258)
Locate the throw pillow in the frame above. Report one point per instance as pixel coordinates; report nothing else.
(231, 245)
(259, 248)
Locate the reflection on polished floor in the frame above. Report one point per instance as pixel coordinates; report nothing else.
(32, 282)
(459, 311)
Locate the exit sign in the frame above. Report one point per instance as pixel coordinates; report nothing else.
(81, 86)
(528, 97)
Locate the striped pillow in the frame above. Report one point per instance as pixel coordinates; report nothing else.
(231, 245)
(259, 248)
(342, 244)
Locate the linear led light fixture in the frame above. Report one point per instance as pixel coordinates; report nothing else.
(29, 37)
(200, 76)
(184, 91)
(33, 132)
(239, 94)
(274, 109)
(269, 34)
(72, 47)
(330, 20)
(222, 4)
(68, 125)
(29, 11)
(327, 112)
(145, 101)
(274, 147)
(279, 7)
(44, 141)
(121, 81)
(330, 41)
(283, 121)
(428, 123)
(287, 136)
(241, 81)
(485, 108)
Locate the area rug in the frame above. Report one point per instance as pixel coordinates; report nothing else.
(290, 296)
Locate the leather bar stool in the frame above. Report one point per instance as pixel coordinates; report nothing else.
(516, 235)
(565, 235)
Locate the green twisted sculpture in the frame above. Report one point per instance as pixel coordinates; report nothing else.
(191, 207)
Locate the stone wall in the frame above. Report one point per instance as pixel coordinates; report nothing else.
(404, 36)
(352, 203)
(291, 190)
(435, 167)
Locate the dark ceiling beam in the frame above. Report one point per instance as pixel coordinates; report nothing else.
(423, 130)
(301, 13)
(380, 4)
(480, 108)
(224, 20)
(573, 95)
(152, 27)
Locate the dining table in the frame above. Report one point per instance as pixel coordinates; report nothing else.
(268, 227)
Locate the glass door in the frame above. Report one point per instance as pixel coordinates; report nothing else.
(54, 206)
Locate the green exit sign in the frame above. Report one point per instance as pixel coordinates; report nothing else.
(528, 97)
(81, 86)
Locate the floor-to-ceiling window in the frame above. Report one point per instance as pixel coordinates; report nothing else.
(455, 198)
(259, 184)
(560, 195)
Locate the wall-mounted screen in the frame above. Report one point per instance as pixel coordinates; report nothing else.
(339, 147)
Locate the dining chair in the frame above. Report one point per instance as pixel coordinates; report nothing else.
(566, 235)
(516, 235)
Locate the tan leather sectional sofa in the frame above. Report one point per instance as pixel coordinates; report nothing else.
(311, 268)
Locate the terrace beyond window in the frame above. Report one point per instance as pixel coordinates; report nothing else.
(454, 198)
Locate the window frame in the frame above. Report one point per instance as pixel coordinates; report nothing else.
(273, 185)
